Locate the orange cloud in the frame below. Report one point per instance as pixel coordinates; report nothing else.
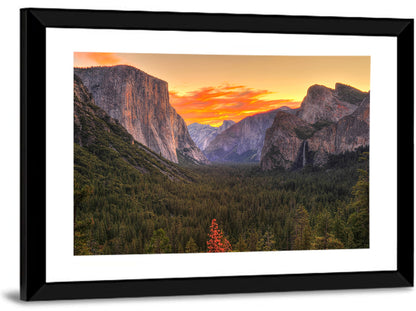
(95, 59)
(212, 105)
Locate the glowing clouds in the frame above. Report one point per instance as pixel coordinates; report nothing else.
(85, 59)
(212, 105)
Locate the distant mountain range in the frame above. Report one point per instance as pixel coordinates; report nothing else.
(203, 134)
(329, 121)
(243, 141)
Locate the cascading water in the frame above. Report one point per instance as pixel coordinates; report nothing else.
(303, 155)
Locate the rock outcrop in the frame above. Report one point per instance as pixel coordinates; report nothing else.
(324, 104)
(329, 122)
(347, 134)
(243, 141)
(140, 102)
(203, 134)
(283, 141)
(349, 94)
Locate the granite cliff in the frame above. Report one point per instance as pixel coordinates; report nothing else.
(284, 140)
(347, 134)
(100, 139)
(329, 121)
(324, 104)
(140, 102)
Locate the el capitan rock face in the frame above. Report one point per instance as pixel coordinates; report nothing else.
(243, 141)
(93, 128)
(203, 134)
(140, 102)
(320, 128)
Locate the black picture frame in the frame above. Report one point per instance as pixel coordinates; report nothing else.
(34, 22)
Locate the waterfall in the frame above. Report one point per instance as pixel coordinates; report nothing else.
(303, 156)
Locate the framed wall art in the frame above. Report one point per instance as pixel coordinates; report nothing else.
(187, 153)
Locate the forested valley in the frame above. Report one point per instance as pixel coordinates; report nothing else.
(122, 211)
(129, 199)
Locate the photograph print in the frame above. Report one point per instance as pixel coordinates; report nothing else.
(183, 153)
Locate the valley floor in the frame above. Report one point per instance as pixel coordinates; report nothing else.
(256, 211)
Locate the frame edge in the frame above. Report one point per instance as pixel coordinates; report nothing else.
(32, 154)
(405, 152)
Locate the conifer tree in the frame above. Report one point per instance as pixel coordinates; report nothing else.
(217, 243)
(302, 234)
(191, 246)
(358, 221)
(159, 243)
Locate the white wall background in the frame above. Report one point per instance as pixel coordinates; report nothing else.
(381, 299)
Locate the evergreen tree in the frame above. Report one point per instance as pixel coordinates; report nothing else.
(159, 243)
(241, 245)
(268, 242)
(358, 221)
(217, 243)
(327, 242)
(303, 232)
(191, 246)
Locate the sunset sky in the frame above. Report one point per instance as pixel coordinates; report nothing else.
(211, 88)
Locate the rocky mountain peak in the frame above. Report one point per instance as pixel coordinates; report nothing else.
(326, 124)
(318, 92)
(225, 125)
(323, 104)
(203, 134)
